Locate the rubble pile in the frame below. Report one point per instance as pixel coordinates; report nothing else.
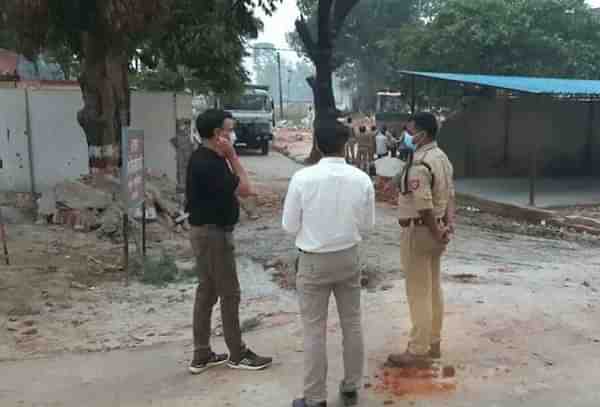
(89, 205)
(295, 144)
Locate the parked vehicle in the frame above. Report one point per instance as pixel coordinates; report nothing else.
(254, 116)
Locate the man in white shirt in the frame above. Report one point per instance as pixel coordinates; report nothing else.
(326, 207)
(381, 144)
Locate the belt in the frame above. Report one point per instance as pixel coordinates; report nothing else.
(415, 221)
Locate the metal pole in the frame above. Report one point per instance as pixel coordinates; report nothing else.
(280, 86)
(413, 95)
(143, 229)
(29, 144)
(126, 246)
(3, 236)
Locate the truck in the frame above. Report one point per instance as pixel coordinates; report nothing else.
(253, 112)
(392, 111)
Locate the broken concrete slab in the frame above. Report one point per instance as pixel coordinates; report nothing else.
(77, 195)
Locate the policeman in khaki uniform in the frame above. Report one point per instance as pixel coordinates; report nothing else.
(365, 148)
(426, 218)
(352, 141)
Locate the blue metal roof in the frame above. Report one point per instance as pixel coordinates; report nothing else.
(534, 85)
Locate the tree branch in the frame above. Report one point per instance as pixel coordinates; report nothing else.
(324, 23)
(306, 38)
(341, 10)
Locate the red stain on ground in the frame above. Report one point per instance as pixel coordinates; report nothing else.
(407, 382)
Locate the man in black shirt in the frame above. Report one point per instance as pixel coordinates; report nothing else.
(215, 179)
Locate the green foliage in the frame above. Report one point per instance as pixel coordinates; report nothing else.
(514, 37)
(207, 37)
(359, 51)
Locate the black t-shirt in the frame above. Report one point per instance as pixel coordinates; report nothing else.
(210, 190)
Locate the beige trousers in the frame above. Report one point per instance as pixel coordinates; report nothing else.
(319, 276)
(420, 255)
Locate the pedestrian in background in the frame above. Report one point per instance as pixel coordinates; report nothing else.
(326, 208)
(215, 179)
(381, 142)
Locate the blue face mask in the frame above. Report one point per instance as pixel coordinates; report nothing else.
(408, 141)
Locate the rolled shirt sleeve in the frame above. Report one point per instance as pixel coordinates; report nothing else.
(292, 208)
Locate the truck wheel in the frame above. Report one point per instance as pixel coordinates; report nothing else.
(265, 147)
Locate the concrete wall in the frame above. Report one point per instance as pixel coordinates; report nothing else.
(155, 114)
(59, 146)
(58, 143)
(477, 143)
(14, 172)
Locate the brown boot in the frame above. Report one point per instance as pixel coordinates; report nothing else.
(435, 351)
(409, 360)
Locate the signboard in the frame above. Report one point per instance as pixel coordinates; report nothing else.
(133, 168)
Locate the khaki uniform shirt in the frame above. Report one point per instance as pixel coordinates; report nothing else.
(421, 195)
(352, 139)
(365, 141)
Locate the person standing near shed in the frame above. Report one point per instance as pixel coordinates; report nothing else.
(426, 217)
(381, 142)
(215, 179)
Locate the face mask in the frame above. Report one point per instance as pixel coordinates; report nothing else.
(409, 141)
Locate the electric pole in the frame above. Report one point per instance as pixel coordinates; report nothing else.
(280, 86)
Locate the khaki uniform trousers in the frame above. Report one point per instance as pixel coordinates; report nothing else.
(421, 254)
(319, 276)
(364, 158)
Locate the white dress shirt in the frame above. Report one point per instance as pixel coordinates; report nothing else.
(381, 143)
(328, 205)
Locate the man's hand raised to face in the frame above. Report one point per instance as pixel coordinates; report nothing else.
(225, 148)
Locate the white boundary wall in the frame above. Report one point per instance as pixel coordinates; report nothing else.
(57, 142)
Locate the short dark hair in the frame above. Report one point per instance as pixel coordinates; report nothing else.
(362, 129)
(426, 122)
(349, 120)
(331, 140)
(373, 128)
(384, 128)
(210, 120)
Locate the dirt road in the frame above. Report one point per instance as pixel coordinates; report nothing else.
(522, 325)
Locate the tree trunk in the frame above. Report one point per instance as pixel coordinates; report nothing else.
(322, 86)
(325, 110)
(106, 101)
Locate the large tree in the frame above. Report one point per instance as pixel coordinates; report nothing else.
(359, 48)
(206, 36)
(319, 48)
(515, 37)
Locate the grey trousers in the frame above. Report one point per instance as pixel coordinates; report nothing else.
(320, 275)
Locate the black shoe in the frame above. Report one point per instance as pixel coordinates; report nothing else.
(200, 365)
(302, 403)
(250, 361)
(349, 398)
